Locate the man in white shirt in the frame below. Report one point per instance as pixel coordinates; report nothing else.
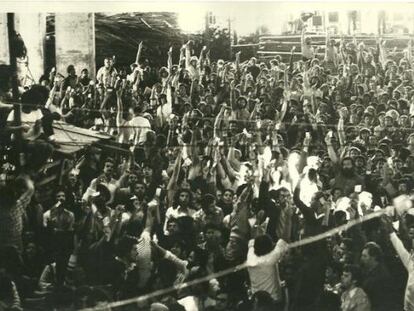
(141, 126)
(262, 263)
(107, 74)
(263, 258)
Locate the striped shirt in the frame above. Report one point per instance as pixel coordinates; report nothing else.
(11, 221)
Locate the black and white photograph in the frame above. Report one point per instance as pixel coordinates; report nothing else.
(206, 156)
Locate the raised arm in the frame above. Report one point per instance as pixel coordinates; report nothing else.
(396, 242)
(187, 55)
(307, 211)
(232, 101)
(292, 53)
(120, 109)
(138, 53)
(201, 58)
(218, 121)
(341, 131)
(172, 184)
(331, 151)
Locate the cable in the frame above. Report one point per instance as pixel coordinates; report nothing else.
(324, 125)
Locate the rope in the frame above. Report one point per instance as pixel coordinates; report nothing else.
(324, 125)
(243, 266)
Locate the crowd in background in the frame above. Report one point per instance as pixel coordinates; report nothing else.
(227, 162)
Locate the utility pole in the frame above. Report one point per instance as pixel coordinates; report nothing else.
(230, 38)
(12, 54)
(15, 88)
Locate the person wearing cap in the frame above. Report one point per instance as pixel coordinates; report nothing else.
(388, 124)
(363, 137)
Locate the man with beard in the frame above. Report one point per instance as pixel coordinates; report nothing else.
(346, 178)
(105, 179)
(59, 218)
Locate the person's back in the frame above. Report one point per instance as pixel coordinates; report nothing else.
(141, 126)
(263, 268)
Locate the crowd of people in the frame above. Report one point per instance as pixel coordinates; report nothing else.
(226, 162)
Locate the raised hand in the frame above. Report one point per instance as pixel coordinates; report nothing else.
(328, 138)
(307, 140)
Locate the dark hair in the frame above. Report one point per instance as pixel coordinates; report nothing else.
(228, 190)
(60, 189)
(207, 199)
(347, 159)
(134, 228)
(212, 226)
(70, 68)
(200, 257)
(263, 245)
(177, 196)
(138, 109)
(125, 245)
(355, 272)
(374, 250)
(109, 160)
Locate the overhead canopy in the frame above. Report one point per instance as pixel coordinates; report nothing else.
(71, 139)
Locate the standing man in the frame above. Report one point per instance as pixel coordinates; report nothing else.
(107, 74)
(263, 258)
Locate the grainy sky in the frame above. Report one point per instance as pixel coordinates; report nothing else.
(246, 16)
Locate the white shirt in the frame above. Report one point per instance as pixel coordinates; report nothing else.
(143, 260)
(263, 270)
(141, 127)
(190, 303)
(112, 186)
(30, 117)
